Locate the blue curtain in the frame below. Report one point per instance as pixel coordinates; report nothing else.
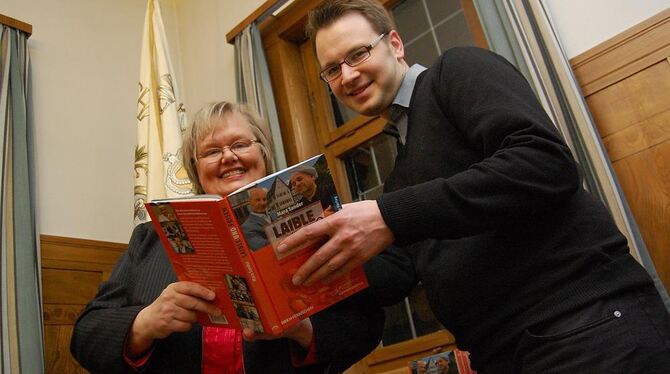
(21, 328)
(254, 87)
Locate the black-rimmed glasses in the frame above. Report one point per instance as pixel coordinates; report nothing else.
(215, 154)
(354, 58)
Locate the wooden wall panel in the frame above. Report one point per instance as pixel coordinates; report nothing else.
(645, 134)
(623, 55)
(72, 269)
(626, 83)
(645, 179)
(59, 360)
(632, 100)
(69, 286)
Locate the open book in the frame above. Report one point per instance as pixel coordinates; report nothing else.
(229, 245)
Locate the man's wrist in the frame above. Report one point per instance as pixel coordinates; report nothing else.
(303, 334)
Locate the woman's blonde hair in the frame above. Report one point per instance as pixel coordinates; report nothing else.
(212, 115)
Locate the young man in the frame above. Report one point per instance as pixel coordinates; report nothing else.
(485, 207)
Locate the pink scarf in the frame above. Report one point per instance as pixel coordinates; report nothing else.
(222, 351)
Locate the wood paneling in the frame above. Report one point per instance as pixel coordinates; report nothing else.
(59, 360)
(639, 137)
(630, 101)
(72, 269)
(645, 179)
(623, 55)
(626, 83)
(69, 286)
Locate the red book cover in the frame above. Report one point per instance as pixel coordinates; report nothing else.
(229, 245)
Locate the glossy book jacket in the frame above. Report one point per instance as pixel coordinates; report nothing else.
(228, 244)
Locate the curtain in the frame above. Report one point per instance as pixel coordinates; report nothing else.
(524, 34)
(253, 84)
(161, 119)
(21, 327)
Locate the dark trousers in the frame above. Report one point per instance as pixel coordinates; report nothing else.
(624, 334)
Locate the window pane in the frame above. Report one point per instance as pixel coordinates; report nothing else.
(441, 9)
(422, 316)
(430, 27)
(454, 32)
(399, 327)
(368, 165)
(411, 19)
(422, 51)
(396, 326)
(341, 114)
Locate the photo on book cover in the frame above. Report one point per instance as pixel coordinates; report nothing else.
(279, 206)
(244, 305)
(176, 235)
(448, 362)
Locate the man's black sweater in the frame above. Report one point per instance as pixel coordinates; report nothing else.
(489, 213)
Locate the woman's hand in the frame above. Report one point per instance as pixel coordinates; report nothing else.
(173, 311)
(301, 333)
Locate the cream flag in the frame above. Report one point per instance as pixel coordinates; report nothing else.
(160, 121)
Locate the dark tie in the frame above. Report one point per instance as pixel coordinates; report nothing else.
(396, 112)
(392, 130)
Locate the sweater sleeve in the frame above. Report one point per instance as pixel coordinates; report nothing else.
(524, 168)
(100, 331)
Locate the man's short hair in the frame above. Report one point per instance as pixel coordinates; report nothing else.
(254, 189)
(305, 169)
(330, 11)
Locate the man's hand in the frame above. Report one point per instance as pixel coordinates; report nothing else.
(356, 234)
(173, 311)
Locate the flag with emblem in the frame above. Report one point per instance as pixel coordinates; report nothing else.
(161, 118)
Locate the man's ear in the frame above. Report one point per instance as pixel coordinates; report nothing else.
(397, 45)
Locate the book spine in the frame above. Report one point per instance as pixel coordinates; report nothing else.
(269, 316)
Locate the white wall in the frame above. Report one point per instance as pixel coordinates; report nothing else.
(85, 60)
(84, 57)
(207, 59)
(583, 24)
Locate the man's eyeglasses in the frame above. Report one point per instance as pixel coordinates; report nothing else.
(215, 154)
(354, 58)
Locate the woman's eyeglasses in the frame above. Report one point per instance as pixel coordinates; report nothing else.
(215, 154)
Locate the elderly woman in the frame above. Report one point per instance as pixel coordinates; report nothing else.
(143, 319)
